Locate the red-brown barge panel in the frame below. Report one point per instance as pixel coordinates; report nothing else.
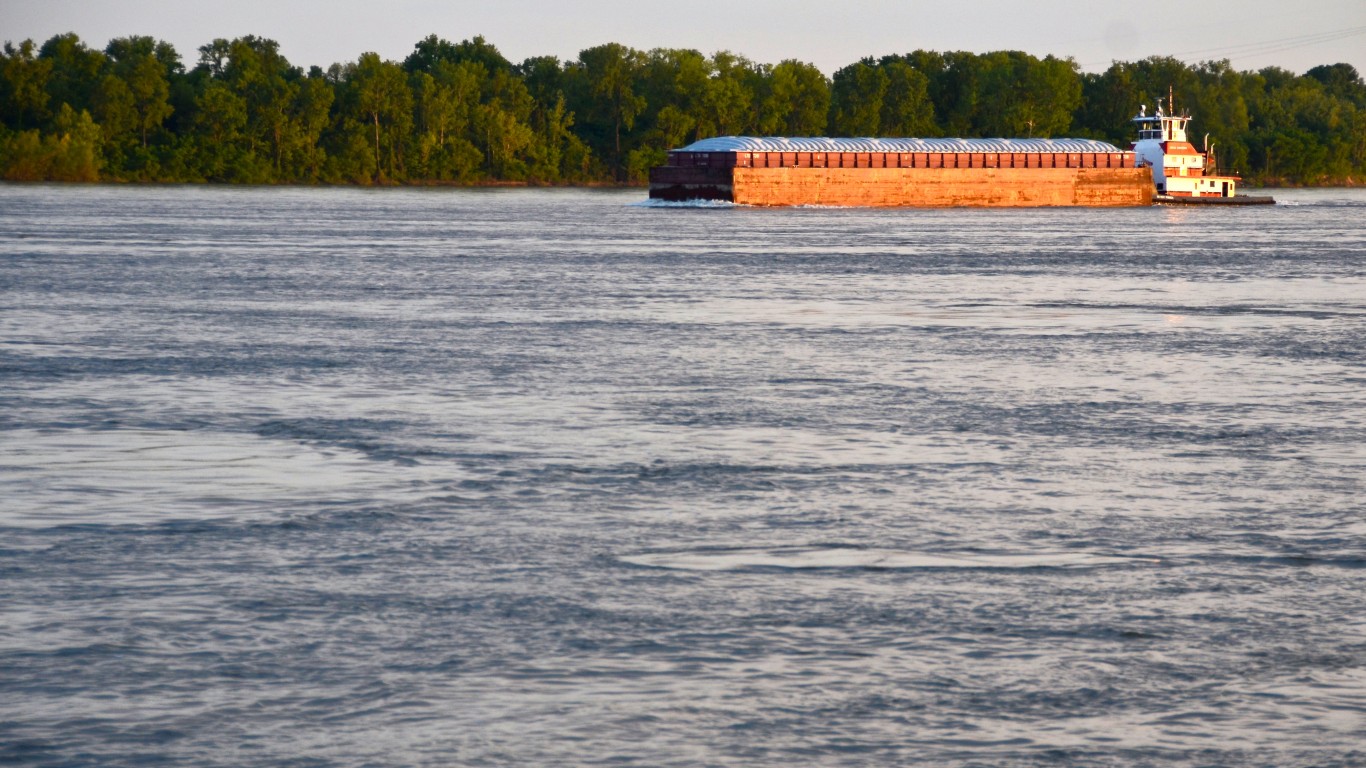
(904, 172)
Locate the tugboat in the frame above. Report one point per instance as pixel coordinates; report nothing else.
(1180, 172)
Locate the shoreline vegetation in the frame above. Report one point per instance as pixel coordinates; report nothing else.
(460, 114)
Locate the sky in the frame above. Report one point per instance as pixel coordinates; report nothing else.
(1252, 34)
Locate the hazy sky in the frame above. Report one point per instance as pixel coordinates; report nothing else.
(1251, 33)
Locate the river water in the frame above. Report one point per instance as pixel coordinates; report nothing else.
(340, 477)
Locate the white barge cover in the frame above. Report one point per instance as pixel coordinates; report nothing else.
(784, 144)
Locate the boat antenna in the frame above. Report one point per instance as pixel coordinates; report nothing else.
(1171, 100)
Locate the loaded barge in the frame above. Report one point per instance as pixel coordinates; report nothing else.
(1161, 167)
(903, 172)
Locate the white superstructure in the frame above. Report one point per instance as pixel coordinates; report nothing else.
(1179, 170)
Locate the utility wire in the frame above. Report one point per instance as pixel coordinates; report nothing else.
(1277, 45)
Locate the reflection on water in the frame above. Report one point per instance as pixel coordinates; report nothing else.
(552, 477)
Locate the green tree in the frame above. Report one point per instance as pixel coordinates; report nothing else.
(551, 119)
(286, 113)
(1217, 102)
(151, 95)
(23, 85)
(856, 99)
(382, 95)
(505, 139)
(1341, 81)
(543, 78)
(432, 50)
(309, 118)
(728, 102)
(502, 125)
(673, 126)
(1109, 101)
(955, 89)
(76, 71)
(1020, 95)
(221, 115)
(906, 106)
(116, 113)
(445, 109)
(806, 91)
(460, 111)
(145, 66)
(23, 156)
(612, 71)
(70, 153)
(130, 50)
(674, 83)
(75, 147)
(1158, 76)
(270, 88)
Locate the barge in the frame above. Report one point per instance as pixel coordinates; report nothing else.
(1160, 167)
(779, 171)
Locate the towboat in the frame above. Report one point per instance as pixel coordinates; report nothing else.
(1182, 174)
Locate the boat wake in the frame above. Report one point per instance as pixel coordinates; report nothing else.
(655, 203)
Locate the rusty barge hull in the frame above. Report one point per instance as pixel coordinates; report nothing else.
(910, 187)
(909, 179)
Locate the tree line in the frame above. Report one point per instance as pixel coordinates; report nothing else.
(462, 113)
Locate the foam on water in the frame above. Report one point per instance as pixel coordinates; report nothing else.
(651, 202)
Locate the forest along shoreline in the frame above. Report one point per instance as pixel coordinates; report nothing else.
(461, 114)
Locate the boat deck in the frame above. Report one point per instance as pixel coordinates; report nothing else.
(1239, 200)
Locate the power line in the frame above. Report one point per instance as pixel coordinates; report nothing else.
(1279, 44)
(1264, 47)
